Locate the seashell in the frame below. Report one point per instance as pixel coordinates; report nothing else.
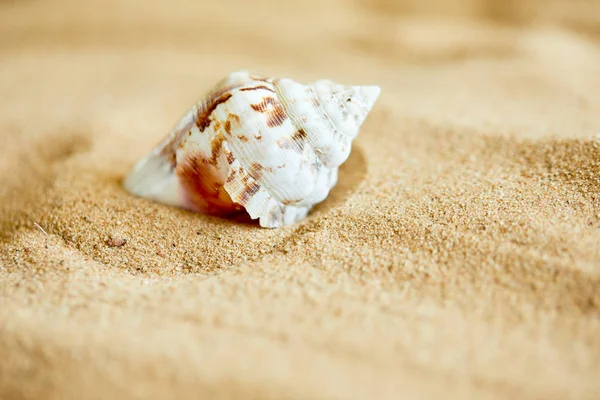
(270, 147)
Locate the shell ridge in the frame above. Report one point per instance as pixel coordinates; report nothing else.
(241, 153)
(339, 136)
(245, 188)
(310, 113)
(244, 150)
(296, 122)
(336, 134)
(308, 141)
(328, 120)
(322, 169)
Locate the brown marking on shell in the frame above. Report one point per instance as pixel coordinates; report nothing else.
(231, 176)
(256, 77)
(257, 136)
(169, 153)
(233, 121)
(263, 87)
(218, 95)
(299, 136)
(272, 108)
(256, 170)
(296, 142)
(243, 138)
(230, 158)
(250, 189)
(203, 186)
(275, 214)
(203, 118)
(216, 145)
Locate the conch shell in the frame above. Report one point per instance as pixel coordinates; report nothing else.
(271, 147)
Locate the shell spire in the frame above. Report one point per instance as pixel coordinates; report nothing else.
(269, 146)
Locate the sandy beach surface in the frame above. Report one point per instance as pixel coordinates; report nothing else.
(458, 257)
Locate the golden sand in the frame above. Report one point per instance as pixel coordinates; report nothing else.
(459, 255)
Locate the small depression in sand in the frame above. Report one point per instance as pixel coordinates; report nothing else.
(99, 218)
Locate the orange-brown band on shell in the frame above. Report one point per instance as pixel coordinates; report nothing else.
(203, 120)
(272, 108)
(203, 184)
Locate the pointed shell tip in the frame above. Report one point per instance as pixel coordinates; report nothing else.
(371, 94)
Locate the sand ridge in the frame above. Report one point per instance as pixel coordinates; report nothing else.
(458, 256)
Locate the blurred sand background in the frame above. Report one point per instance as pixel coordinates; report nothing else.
(459, 256)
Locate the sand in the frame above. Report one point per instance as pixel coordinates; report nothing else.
(458, 257)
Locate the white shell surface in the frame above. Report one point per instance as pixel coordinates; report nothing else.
(271, 147)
